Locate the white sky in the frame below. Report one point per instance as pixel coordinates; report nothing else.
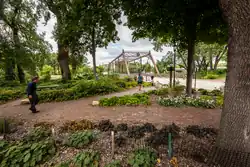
(104, 56)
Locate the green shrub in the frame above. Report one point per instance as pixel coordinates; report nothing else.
(135, 99)
(220, 71)
(159, 92)
(131, 84)
(187, 101)
(218, 99)
(211, 76)
(38, 134)
(46, 72)
(216, 92)
(27, 154)
(83, 88)
(6, 95)
(80, 139)
(203, 91)
(83, 159)
(142, 158)
(10, 84)
(147, 84)
(115, 163)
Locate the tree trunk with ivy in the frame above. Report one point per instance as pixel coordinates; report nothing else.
(63, 60)
(233, 142)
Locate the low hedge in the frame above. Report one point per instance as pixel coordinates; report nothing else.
(130, 100)
(70, 90)
(12, 94)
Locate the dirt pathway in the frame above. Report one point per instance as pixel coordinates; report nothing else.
(82, 109)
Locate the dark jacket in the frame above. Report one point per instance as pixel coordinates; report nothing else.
(31, 89)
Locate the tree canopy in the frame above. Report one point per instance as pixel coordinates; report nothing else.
(180, 23)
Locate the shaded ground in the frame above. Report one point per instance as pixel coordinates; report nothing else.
(82, 109)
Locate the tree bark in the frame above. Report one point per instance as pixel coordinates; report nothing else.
(233, 142)
(73, 64)
(190, 63)
(93, 51)
(21, 74)
(9, 70)
(63, 60)
(210, 58)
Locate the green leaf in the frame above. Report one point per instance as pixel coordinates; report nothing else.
(27, 157)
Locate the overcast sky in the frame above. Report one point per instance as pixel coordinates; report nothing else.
(104, 56)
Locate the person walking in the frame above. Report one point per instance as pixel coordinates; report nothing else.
(140, 81)
(152, 80)
(31, 92)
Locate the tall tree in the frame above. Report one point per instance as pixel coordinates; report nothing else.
(92, 23)
(179, 22)
(20, 21)
(234, 138)
(60, 8)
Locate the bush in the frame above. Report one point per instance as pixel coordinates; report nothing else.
(80, 139)
(38, 134)
(6, 95)
(77, 126)
(147, 84)
(46, 72)
(218, 99)
(135, 99)
(84, 88)
(27, 154)
(187, 101)
(142, 158)
(83, 159)
(211, 76)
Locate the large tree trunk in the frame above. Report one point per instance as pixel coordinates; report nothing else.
(233, 142)
(21, 74)
(190, 64)
(210, 58)
(93, 53)
(63, 60)
(74, 64)
(9, 70)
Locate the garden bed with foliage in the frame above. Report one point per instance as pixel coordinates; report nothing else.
(69, 90)
(129, 100)
(83, 143)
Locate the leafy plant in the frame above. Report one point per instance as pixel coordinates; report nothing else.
(147, 84)
(135, 99)
(105, 125)
(187, 101)
(83, 159)
(46, 72)
(80, 139)
(27, 154)
(77, 125)
(115, 163)
(211, 76)
(142, 158)
(10, 94)
(38, 134)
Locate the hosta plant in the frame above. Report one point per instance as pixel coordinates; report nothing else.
(142, 158)
(80, 139)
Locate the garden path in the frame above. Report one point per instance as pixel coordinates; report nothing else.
(59, 112)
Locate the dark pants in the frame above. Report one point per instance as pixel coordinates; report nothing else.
(33, 102)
